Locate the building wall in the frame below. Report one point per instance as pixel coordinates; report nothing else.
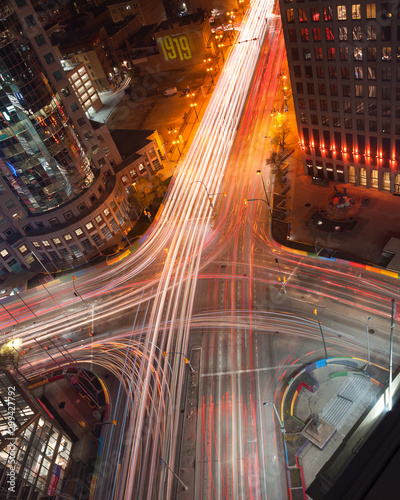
(80, 229)
(84, 88)
(345, 76)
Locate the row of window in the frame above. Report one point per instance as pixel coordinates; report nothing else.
(357, 33)
(348, 123)
(340, 13)
(358, 71)
(370, 91)
(349, 106)
(344, 53)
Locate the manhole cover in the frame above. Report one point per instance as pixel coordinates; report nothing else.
(371, 331)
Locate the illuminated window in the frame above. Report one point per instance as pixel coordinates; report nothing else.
(357, 33)
(57, 241)
(344, 53)
(341, 12)
(316, 34)
(304, 35)
(359, 90)
(314, 14)
(4, 253)
(46, 243)
(290, 15)
(371, 90)
(356, 11)
(318, 53)
(329, 35)
(106, 211)
(302, 15)
(328, 13)
(36, 244)
(357, 53)
(371, 11)
(22, 249)
(331, 53)
(371, 32)
(386, 53)
(89, 225)
(371, 73)
(67, 237)
(78, 231)
(99, 219)
(358, 73)
(343, 34)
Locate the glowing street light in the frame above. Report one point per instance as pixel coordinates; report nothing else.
(177, 145)
(193, 105)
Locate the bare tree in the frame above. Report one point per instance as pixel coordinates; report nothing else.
(8, 358)
(276, 161)
(282, 135)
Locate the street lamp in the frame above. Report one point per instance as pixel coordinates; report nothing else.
(209, 198)
(322, 334)
(76, 291)
(209, 70)
(369, 359)
(265, 192)
(282, 278)
(180, 152)
(185, 358)
(283, 430)
(193, 105)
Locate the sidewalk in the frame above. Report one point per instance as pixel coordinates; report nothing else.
(339, 391)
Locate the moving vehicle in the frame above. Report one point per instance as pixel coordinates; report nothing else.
(170, 91)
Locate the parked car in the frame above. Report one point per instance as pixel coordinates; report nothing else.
(170, 91)
(185, 91)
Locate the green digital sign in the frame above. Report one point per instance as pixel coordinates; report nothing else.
(176, 47)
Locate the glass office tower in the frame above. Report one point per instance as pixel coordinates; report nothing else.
(41, 158)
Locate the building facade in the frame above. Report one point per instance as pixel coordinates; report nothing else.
(34, 450)
(62, 197)
(344, 63)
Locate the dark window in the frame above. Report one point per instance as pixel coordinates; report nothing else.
(81, 122)
(30, 21)
(20, 3)
(302, 103)
(28, 228)
(40, 40)
(346, 90)
(321, 89)
(373, 126)
(324, 105)
(68, 215)
(371, 53)
(335, 106)
(292, 36)
(49, 58)
(308, 71)
(320, 72)
(74, 107)
(314, 119)
(54, 221)
(313, 104)
(345, 72)
(310, 88)
(360, 124)
(386, 32)
(81, 207)
(295, 54)
(58, 75)
(297, 71)
(299, 88)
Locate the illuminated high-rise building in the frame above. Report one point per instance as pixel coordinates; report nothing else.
(41, 157)
(344, 63)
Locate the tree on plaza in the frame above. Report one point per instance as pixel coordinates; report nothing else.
(276, 161)
(135, 73)
(146, 191)
(280, 138)
(8, 357)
